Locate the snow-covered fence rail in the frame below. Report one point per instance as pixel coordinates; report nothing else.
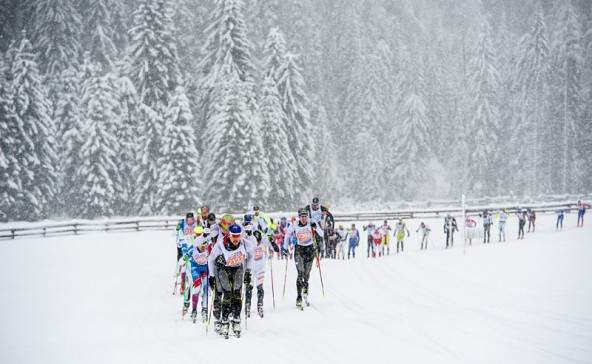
(21, 229)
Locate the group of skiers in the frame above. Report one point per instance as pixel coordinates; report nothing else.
(223, 256)
(220, 257)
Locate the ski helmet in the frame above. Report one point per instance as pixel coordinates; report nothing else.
(226, 221)
(302, 212)
(189, 215)
(211, 216)
(198, 230)
(235, 229)
(256, 208)
(247, 218)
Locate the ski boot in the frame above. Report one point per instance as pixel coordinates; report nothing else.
(218, 327)
(194, 314)
(299, 303)
(236, 326)
(204, 314)
(224, 328)
(305, 296)
(260, 309)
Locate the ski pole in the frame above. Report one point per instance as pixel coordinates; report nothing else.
(211, 307)
(246, 316)
(319, 265)
(285, 276)
(272, 292)
(176, 278)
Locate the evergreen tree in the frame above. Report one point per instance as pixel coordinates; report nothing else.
(70, 131)
(532, 66)
(484, 128)
(33, 135)
(567, 56)
(237, 177)
(8, 186)
(154, 63)
(274, 53)
(412, 141)
(56, 30)
(98, 177)
(99, 32)
(295, 105)
(227, 51)
(126, 134)
(179, 184)
(280, 162)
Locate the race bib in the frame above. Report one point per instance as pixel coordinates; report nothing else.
(304, 236)
(258, 253)
(236, 259)
(201, 259)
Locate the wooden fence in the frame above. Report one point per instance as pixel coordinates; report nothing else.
(13, 230)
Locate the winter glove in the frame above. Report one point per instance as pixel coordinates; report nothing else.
(313, 225)
(286, 252)
(206, 232)
(249, 229)
(408, 234)
(275, 247)
(212, 282)
(247, 278)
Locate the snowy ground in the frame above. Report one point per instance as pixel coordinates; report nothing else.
(106, 298)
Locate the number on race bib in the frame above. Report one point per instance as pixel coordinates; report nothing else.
(236, 259)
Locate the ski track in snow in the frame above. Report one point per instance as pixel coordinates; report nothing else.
(106, 297)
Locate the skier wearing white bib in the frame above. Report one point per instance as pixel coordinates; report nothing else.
(230, 264)
(258, 271)
(304, 253)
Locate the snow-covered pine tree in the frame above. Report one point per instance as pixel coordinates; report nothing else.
(98, 177)
(237, 177)
(33, 134)
(227, 48)
(126, 133)
(56, 33)
(301, 140)
(531, 72)
(484, 127)
(154, 70)
(262, 15)
(99, 33)
(274, 53)
(69, 115)
(154, 63)
(567, 61)
(8, 186)
(413, 153)
(179, 183)
(8, 20)
(280, 161)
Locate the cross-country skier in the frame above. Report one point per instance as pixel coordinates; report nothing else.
(185, 227)
(264, 222)
(203, 211)
(487, 222)
(502, 216)
(400, 229)
(425, 233)
(341, 243)
(199, 271)
(449, 228)
(471, 229)
(332, 240)
(304, 253)
(321, 215)
(560, 214)
(581, 212)
(258, 271)
(531, 218)
(377, 241)
(370, 230)
(522, 216)
(353, 238)
(230, 265)
(221, 227)
(384, 232)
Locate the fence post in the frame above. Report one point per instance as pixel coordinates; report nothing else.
(75, 229)
(12, 232)
(44, 231)
(137, 226)
(106, 226)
